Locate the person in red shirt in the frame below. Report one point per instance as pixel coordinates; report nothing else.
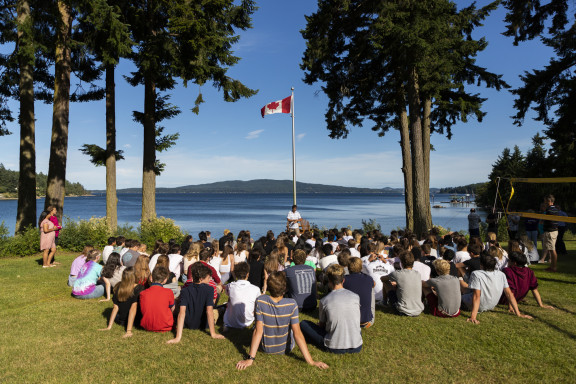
(521, 279)
(157, 303)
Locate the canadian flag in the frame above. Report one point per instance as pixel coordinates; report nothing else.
(280, 106)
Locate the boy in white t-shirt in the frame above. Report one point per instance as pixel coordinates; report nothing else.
(108, 249)
(486, 287)
(242, 297)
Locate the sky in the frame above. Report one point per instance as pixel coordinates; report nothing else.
(231, 141)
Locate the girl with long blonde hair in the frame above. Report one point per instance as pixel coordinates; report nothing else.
(142, 270)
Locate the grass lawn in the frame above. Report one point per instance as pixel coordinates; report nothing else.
(50, 337)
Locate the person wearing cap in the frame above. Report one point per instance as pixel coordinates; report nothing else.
(474, 223)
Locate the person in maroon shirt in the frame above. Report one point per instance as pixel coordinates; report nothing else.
(521, 279)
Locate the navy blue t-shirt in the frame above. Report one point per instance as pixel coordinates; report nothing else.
(301, 281)
(361, 284)
(196, 297)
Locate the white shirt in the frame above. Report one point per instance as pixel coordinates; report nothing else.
(327, 261)
(354, 252)
(294, 216)
(242, 297)
(175, 265)
(376, 269)
(423, 269)
(460, 257)
(106, 252)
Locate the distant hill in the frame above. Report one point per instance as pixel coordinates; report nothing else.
(261, 186)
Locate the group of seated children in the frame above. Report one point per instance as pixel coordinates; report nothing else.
(401, 272)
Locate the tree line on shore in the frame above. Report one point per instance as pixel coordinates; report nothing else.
(9, 184)
(400, 65)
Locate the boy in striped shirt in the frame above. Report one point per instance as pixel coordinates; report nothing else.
(277, 324)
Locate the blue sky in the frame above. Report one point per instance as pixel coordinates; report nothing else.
(231, 141)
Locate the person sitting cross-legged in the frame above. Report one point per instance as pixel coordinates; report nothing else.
(521, 280)
(404, 287)
(338, 330)
(486, 287)
(443, 292)
(242, 297)
(277, 325)
(197, 304)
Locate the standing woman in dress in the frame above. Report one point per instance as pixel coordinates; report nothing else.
(54, 220)
(47, 237)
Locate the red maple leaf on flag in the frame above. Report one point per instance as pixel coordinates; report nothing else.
(273, 105)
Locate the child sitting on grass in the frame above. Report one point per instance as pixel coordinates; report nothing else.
(125, 299)
(77, 264)
(196, 304)
(277, 324)
(86, 285)
(443, 292)
(112, 273)
(157, 303)
(242, 297)
(486, 288)
(521, 280)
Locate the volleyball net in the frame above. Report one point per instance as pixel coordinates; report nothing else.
(526, 196)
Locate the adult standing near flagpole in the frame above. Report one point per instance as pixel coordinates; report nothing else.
(285, 106)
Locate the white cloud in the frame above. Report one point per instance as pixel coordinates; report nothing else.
(127, 146)
(254, 134)
(300, 136)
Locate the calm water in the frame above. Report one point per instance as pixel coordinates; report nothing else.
(257, 212)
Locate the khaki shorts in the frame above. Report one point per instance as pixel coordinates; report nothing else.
(549, 243)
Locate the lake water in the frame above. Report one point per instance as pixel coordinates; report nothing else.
(196, 212)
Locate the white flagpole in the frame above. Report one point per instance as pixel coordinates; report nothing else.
(293, 149)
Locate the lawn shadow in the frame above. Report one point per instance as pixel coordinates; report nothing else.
(240, 338)
(555, 280)
(40, 261)
(107, 312)
(553, 326)
(565, 310)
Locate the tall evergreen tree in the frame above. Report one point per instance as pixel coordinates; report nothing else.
(550, 91)
(191, 41)
(400, 64)
(107, 36)
(24, 23)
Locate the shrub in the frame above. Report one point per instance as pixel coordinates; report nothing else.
(159, 228)
(23, 244)
(4, 231)
(76, 234)
(371, 225)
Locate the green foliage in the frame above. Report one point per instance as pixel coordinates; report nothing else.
(25, 243)
(4, 231)
(159, 228)
(76, 234)
(371, 225)
(98, 154)
(9, 183)
(502, 234)
(551, 91)
(470, 188)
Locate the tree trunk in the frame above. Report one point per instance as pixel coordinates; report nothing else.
(111, 197)
(426, 156)
(56, 183)
(418, 176)
(26, 214)
(407, 169)
(149, 156)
